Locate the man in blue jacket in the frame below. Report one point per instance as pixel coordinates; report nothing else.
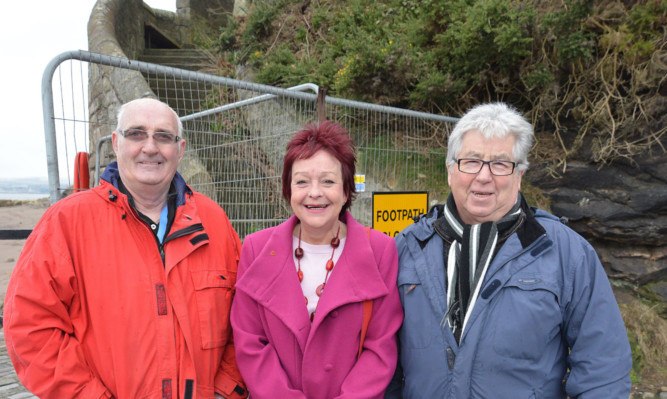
(502, 300)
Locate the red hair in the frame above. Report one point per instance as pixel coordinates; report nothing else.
(327, 136)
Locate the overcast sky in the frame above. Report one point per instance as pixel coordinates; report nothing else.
(32, 33)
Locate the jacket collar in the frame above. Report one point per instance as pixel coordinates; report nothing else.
(271, 278)
(112, 176)
(527, 232)
(357, 273)
(424, 228)
(186, 223)
(427, 226)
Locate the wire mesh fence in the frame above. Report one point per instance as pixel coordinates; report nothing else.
(236, 133)
(66, 124)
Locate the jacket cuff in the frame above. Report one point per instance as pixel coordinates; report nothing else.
(95, 389)
(229, 388)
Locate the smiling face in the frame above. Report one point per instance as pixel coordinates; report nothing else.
(484, 197)
(146, 167)
(317, 195)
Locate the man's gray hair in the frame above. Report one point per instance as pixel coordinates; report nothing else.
(121, 111)
(494, 120)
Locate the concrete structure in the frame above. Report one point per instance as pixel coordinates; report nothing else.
(127, 28)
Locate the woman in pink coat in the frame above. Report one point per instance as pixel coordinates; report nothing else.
(298, 311)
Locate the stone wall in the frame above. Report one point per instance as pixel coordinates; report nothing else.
(175, 26)
(113, 29)
(213, 13)
(116, 27)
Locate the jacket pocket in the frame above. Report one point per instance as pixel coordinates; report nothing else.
(416, 331)
(525, 318)
(213, 294)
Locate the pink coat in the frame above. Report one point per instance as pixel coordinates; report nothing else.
(279, 353)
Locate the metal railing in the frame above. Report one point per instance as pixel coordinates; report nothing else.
(236, 133)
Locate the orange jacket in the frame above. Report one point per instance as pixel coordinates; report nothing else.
(91, 311)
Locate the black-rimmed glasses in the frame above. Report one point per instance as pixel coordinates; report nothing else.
(474, 166)
(138, 135)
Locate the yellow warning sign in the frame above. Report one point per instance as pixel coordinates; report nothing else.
(392, 212)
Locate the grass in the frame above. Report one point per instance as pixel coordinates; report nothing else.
(41, 201)
(647, 333)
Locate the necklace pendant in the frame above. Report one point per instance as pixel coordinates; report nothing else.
(306, 298)
(312, 316)
(319, 289)
(298, 252)
(335, 242)
(300, 274)
(330, 265)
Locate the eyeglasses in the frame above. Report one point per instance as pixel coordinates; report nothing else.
(138, 135)
(497, 168)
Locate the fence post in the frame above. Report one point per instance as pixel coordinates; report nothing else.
(321, 111)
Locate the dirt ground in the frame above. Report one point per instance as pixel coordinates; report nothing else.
(16, 217)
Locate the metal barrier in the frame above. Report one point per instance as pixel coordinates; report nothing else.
(236, 133)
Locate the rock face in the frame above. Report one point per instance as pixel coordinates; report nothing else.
(621, 209)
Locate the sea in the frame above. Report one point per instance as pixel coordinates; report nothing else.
(23, 196)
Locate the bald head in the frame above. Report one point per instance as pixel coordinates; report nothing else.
(147, 102)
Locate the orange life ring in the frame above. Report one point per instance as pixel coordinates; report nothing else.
(81, 172)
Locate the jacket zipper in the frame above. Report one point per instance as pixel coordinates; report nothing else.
(183, 232)
(160, 245)
(180, 233)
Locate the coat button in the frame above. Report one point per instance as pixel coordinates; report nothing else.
(451, 358)
(328, 367)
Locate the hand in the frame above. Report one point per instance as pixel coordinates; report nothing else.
(218, 396)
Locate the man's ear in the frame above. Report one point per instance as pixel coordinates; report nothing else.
(181, 149)
(449, 178)
(114, 142)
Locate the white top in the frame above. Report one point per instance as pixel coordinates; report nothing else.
(313, 266)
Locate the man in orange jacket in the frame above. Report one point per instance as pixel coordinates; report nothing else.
(124, 291)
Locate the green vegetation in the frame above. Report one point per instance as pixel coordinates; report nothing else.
(590, 73)
(35, 202)
(637, 356)
(647, 333)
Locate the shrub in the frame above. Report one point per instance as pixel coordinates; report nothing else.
(581, 69)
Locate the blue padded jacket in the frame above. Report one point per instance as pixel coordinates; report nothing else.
(545, 325)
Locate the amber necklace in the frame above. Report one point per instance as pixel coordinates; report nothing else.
(298, 253)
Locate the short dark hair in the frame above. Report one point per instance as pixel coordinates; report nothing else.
(327, 136)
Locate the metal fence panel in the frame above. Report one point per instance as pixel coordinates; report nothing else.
(236, 134)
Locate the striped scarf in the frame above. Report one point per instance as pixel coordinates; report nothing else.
(468, 259)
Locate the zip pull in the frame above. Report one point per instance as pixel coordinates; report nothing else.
(162, 224)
